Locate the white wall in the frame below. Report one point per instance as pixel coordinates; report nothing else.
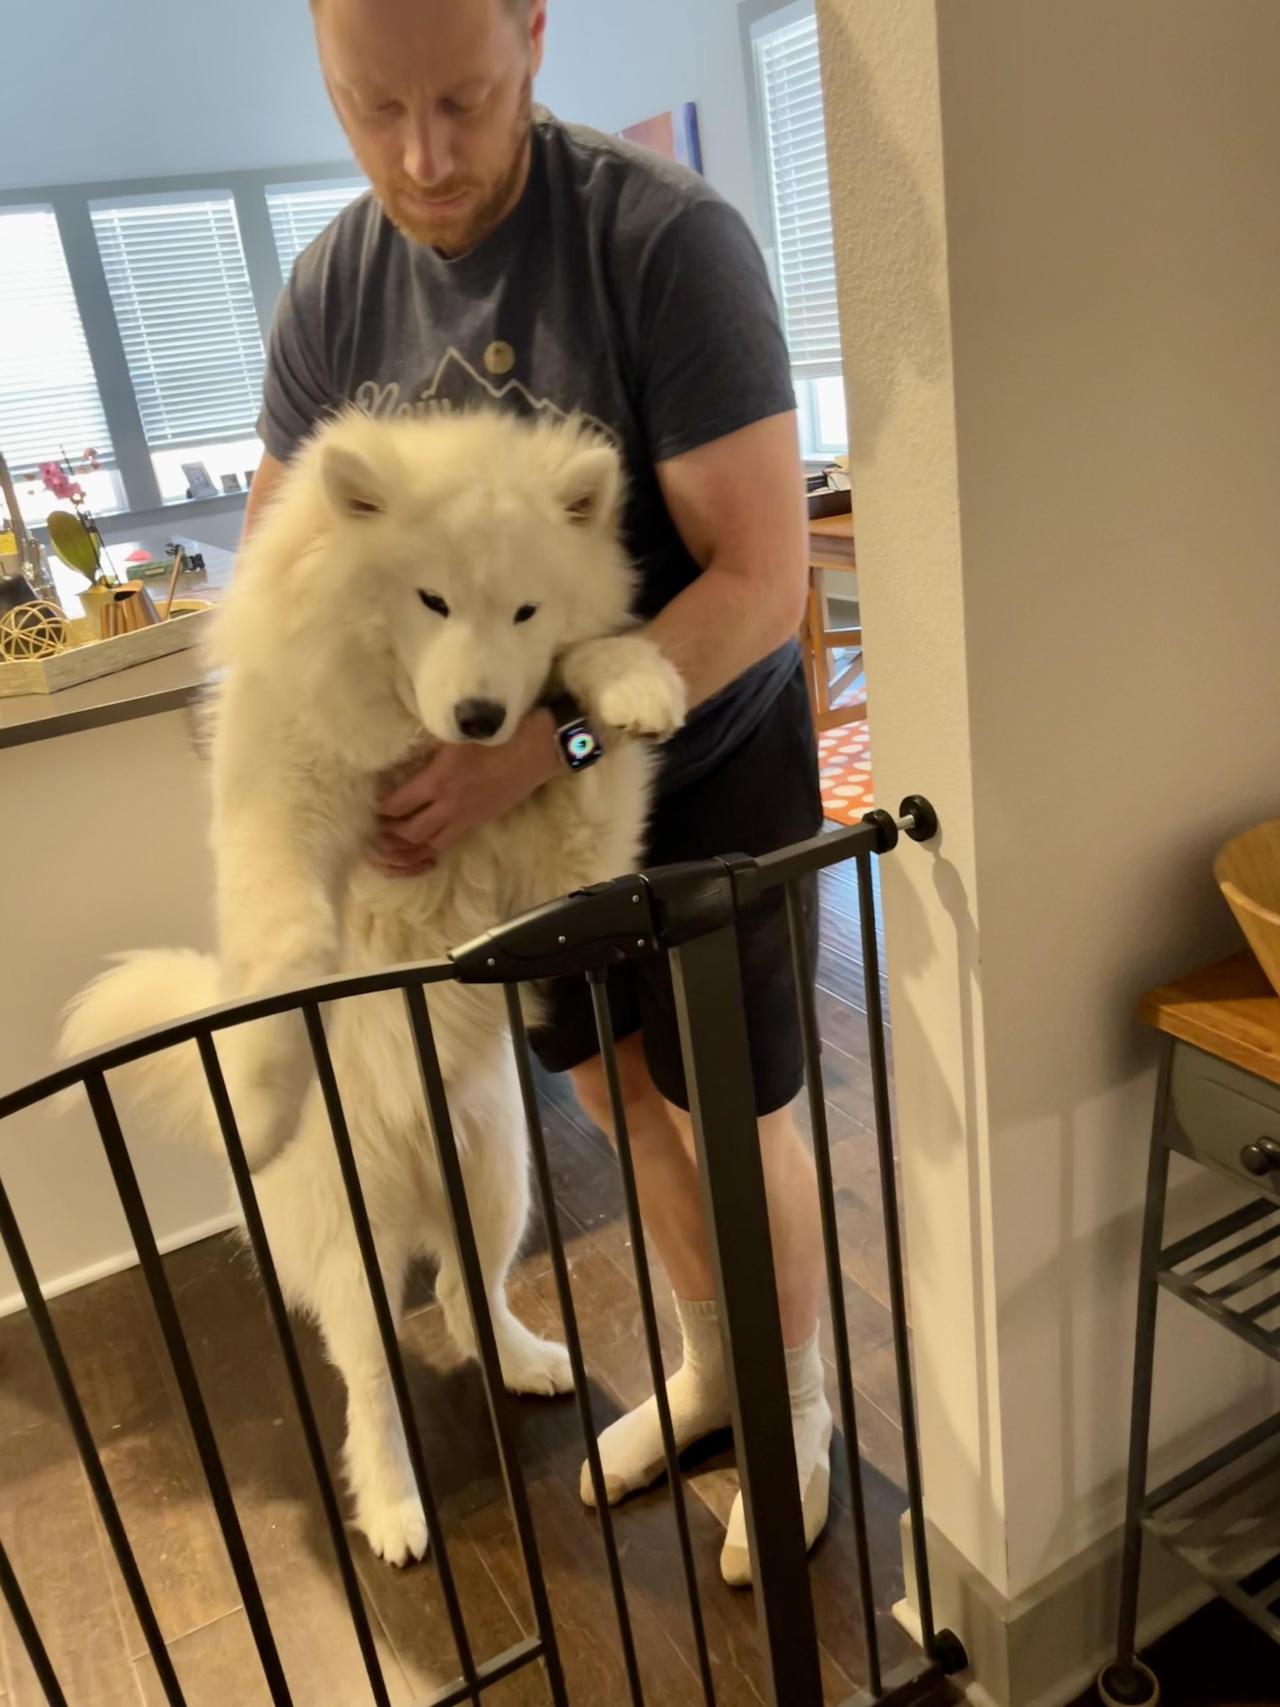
(1058, 242)
(611, 63)
(112, 851)
(170, 90)
(146, 89)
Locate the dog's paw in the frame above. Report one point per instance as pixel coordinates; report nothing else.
(628, 684)
(644, 702)
(531, 1365)
(396, 1530)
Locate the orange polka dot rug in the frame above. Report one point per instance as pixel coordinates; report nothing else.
(844, 773)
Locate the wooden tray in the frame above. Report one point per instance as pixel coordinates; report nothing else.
(102, 657)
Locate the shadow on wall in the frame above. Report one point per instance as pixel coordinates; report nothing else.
(892, 294)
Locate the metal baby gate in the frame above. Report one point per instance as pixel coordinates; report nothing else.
(687, 912)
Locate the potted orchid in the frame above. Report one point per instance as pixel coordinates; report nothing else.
(75, 535)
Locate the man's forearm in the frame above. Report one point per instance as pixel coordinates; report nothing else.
(721, 625)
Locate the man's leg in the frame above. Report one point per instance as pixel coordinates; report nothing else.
(667, 1180)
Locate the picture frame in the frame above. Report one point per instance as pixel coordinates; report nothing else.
(231, 484)
(674, 135)
(199, 481)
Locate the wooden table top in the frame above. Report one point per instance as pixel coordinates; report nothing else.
(831, 542)
(833, 527)
(1228, 1010)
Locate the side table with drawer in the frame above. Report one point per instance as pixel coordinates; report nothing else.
(1217, 1102)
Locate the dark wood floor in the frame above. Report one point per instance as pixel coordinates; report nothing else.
(57, 1546)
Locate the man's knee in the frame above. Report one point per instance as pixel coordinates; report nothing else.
(641, 1100)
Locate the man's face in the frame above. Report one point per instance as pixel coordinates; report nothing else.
(436, 99)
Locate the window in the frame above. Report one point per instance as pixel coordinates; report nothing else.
(789, 83)
(49, 400)
(183, 302)
(300, 212)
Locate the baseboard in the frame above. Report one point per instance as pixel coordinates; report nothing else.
(1046, 1647)
(14, 1301)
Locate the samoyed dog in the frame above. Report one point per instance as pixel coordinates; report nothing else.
(407, 570)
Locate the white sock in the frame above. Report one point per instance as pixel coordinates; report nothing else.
(631, 1454)
(811, 1423)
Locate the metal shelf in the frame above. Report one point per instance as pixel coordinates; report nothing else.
(1222, 1517)
(1230, 1271)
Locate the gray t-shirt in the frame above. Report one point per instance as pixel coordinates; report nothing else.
(621, 288)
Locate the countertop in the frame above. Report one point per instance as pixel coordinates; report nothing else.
(145, 690)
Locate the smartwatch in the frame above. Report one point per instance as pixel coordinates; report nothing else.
(579, 747)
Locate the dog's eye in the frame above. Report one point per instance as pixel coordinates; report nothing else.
(526, 613)
(435, 603)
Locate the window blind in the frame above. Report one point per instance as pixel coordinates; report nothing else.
(48, 391)
(300, 212)
(795, 142)
(183, 303)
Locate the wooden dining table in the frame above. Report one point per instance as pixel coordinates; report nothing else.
(831, 549)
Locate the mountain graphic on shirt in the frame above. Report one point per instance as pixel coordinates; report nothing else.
(456, 386)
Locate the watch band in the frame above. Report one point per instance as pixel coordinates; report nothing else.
(579, 744)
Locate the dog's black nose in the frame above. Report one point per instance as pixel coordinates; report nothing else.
(477, 719)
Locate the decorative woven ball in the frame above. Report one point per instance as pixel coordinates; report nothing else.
(35, 629)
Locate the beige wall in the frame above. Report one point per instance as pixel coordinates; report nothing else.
(1059, 251)
(110, 841)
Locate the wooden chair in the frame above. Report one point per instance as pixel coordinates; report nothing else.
(830, 549)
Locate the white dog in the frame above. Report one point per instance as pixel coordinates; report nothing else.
(408, 569)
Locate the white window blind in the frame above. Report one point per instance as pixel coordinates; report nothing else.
(300, 212)
(48, 392)
(795, 142)
(186, 315)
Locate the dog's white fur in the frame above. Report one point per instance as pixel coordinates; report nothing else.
(338, 675)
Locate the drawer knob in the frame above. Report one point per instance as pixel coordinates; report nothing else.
(1261, 1158)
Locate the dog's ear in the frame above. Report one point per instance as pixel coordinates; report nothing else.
(589, 486)
(352, 485)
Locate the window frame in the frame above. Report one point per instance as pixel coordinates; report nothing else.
(71, 206)
(757, 18)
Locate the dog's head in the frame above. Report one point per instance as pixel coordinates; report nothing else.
(437, 566)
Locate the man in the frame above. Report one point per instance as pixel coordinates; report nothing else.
(506, 259)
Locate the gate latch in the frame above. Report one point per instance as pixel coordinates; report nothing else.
(586, 931)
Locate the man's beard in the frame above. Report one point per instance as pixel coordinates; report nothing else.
(457, 234)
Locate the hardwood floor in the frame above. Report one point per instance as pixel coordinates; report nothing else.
(59, 1551)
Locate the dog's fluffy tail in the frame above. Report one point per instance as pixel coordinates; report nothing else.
(150, 988)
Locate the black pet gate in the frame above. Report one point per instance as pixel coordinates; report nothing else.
(688, 912)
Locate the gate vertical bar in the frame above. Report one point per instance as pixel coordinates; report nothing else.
(340, 1132)
(29, 1284)
(455, 1189)
(175, 1342)
(279, 1311)
(25, 1625)
(649, 1317)
(801, 960)
(717, 1063)
(573, 1338)
(893, 1248)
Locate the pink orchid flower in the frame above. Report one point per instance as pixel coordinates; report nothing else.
(56, 479)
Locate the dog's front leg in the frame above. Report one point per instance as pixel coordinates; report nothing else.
(286, 835)
(626, 683)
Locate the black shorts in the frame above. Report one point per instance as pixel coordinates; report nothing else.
(761, 797)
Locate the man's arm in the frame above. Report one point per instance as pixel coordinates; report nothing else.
(266, 482)
(738, 504)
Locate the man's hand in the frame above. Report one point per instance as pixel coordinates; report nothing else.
(458, 787)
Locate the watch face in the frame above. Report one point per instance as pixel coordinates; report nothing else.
(580, 746)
